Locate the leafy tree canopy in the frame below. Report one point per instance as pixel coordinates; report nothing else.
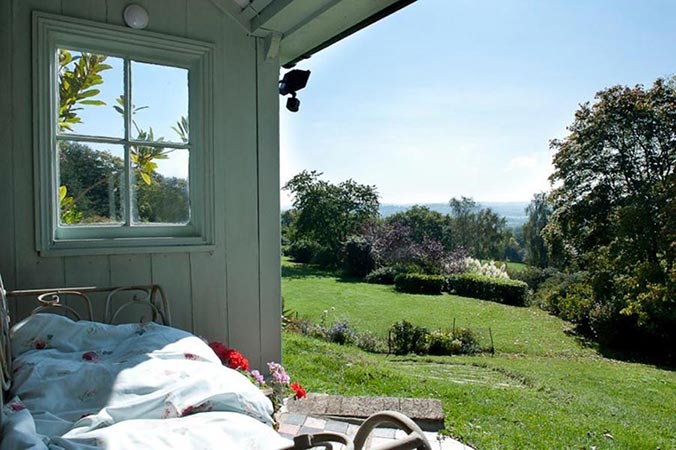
(538, 212)
(614, 196)
(329, 213)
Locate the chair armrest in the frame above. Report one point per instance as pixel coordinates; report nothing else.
(415, 440)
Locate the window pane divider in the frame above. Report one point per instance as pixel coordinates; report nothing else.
(85, 138)
(128, 111)
(122, 141)
(163, 144)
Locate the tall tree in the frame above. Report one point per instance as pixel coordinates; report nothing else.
(462, 211)
(329, 213)
(539, 210)
(613, 205)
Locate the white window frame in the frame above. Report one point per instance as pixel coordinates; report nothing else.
(51, 32)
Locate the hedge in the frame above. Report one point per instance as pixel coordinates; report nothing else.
(509, 292)
(418, 283)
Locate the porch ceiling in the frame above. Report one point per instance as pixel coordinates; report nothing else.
(298, 28)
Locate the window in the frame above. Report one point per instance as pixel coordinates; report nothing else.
(122, 139)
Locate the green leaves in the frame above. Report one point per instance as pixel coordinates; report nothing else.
(70, 214)
(329, 213)
(77, 77)
(181, 129)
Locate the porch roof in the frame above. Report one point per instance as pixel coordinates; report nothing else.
(296, 29)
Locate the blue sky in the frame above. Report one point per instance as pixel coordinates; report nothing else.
(459, 97)
(161, 93)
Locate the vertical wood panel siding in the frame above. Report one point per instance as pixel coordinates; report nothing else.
(232, 293)
(268, 204)
(6, 179)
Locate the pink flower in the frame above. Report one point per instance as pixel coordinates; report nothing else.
(39, 344)
(278, 373)
(257, 376)
(17, 406)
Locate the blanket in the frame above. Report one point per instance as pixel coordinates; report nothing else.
(85, 385)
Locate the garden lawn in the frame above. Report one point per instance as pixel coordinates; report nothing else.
(376, 307)
(542, 389)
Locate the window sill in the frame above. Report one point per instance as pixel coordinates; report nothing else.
(126, 246)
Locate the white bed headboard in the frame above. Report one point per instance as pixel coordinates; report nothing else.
(151, 297)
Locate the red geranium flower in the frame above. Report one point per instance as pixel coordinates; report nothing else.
(220, 350)
(237, 361)
(298, 389)
(230, 357)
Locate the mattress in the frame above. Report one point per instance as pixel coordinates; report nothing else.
(86, 385)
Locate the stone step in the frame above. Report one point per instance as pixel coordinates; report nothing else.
(426, 412)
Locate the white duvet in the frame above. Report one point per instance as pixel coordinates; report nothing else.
(85, 385)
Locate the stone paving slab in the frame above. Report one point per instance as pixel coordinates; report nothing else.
(419, 409)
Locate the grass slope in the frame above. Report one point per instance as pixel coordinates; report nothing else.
(541, 390)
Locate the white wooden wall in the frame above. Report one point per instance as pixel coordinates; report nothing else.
(231, 294)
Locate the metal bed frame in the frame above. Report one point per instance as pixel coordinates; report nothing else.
(153, 298)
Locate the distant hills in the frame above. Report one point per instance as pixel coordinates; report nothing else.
(514, 212)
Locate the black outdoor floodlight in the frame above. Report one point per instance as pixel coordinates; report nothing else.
(291, 83)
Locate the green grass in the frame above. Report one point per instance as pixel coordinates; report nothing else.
(542, 389)
(376, 307)
(515, 266)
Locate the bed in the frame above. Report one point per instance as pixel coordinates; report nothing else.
(72, 383)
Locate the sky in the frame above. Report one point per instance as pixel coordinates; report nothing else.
(458, 97)
(158, 106)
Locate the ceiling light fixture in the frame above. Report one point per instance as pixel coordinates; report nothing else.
(135, 16)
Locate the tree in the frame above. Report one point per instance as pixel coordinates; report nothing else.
(462, 212)
(614, 209)
(329, 213)
(91, 180)
(490, 234)
(539, 210)
(424, 224)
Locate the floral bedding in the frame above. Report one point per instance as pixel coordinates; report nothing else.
(86, 385)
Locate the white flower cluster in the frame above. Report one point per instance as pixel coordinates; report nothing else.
(488, 269)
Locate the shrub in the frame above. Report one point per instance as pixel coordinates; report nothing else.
(405, 338)
(417, 283)
(325, 257)
(487, 269)
(382, 275)
(509, 292)
(358, 257)
(468, 338)
(369, 342)
(568, 296)
(459, 341)
(532, 276)
(341, 333)
(302, 251)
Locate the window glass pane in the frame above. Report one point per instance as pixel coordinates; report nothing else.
(160, 98)
(160, 185)
(91, 183)
(90, 87)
